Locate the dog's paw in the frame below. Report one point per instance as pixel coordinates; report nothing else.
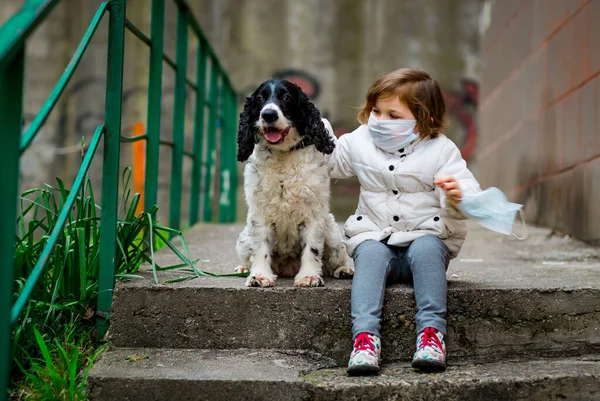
(260, 280)
(309, 281)
(242, 269)
(344, 272)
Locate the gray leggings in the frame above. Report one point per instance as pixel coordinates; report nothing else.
(424, 263)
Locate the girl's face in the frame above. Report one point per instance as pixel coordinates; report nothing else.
(391, 108)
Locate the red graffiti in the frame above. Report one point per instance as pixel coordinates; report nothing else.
(461, 107)
(307, 82)
(339, 130)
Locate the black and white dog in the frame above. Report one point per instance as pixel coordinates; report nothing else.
(289, 231)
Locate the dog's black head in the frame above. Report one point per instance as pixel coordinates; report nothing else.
(281, 116)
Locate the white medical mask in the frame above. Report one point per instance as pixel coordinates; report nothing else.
(492, 210)
(391, 135)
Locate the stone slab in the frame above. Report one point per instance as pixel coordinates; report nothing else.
(539, 297)
(267, 374)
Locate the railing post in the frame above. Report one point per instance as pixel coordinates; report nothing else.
(233, 119)
(213, 97)
(224, 164)
(196, 185)
(110, 167)
(178, 120)
(11, 111)
(157, 27)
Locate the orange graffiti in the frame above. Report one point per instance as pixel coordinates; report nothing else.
(139, 164)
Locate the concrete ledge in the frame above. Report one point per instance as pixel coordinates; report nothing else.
(266, 374)
(538, 298)
(484, 324)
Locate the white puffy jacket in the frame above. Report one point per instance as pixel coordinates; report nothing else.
(398, 197)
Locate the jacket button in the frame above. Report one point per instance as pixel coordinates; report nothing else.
(395, 192)
(396, 218)
(391, 168)
(436, 218)
(401, 150)
(359, 218)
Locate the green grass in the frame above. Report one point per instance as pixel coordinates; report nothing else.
(52, 348)
(61, 372)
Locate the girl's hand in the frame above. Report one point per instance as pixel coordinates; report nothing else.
(450, 187)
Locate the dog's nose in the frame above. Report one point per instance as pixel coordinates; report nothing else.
(269, 115)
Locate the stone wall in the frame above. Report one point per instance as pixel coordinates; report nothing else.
(334, 48)
(337, 48)
(539, 134)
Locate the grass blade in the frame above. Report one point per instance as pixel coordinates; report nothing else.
(182, 257)
(151, 236)
(125, 276)
(180, 279)
(43, 348)
(83, 268)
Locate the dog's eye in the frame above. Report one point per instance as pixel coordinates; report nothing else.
(287, 98)
(260, 100)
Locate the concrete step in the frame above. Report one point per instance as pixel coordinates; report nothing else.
(484, 324)
(183, 374)
(538, 298)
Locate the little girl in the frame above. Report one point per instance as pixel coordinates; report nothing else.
(407, 225)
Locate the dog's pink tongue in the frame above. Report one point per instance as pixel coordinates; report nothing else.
(273, 136)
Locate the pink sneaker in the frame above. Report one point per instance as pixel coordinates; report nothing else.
(364, 359)
(431, 351)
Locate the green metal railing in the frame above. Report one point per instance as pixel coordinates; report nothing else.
(220, 105)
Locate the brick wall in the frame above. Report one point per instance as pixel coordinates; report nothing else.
(539, 117)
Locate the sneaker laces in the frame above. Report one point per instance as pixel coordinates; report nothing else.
(363, 342)
(429, 338)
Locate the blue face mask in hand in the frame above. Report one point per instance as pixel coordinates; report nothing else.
(492, 210)
(391, 135)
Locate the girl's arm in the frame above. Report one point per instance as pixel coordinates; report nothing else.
(452, 167)
(339, 162)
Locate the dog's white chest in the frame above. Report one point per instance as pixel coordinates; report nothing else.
(288, 190)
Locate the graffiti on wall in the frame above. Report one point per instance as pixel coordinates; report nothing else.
(307, 82)
(88, 115)
(309, 85)
(82, 120)
(461, 106)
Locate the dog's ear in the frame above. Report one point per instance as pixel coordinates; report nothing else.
(246, 137)
(314, 127)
